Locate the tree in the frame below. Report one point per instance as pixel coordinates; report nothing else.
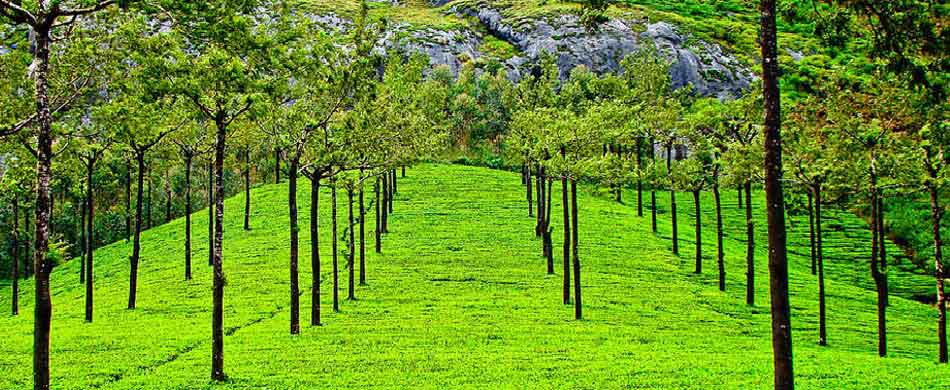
(778, 257)
(192, 143)
(92, 152)
(45, 19)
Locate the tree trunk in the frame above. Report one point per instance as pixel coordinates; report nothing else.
(529, 191)
(128, 200)
(137, 238)
(403, 171)
(876, 270)
(41, 266)
(90, 236)
(188, 166)
(276, 166)
(750, 247)
(565, 206)
(720, 250)
(811, 234)
(336, 269)
(699, 233)
(294, 248)
(546, 234)
(578, 310)
(395, 187)
(539, 185)
(351, 247)
(822, 323)
(15, 263)
(363, 234)
(669, 171)
(653, 187)
(639, 177)
(379, 224)
(778, 256)
(83, 245)
(882, 239)
(935, 214)
(315, 277)
(210, 212)
(247, 190)
(217, 314)
(148, 206)
(385, 205)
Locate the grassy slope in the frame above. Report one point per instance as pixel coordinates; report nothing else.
(460, 299)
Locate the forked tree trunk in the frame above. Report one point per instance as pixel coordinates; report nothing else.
(315, 277)
(750, 247)
(294, 248)
(778, 256)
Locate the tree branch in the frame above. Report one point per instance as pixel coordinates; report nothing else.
(17, 13)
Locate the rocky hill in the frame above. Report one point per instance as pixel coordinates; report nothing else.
(453, 32)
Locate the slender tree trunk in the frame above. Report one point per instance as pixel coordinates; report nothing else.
(15, 263)
(811, 234)
(392, 190)
(539, 184)
(379, 224)
(778, 256)
(351, 248)
(188, 166)
(211, 212)
(137, 239)
(882, 239)
(128, 200)
(822, 323)
(935, 214)
(83, 245)
(90, 236)
(565, 206)
(529, 191)
(403, 171)
(653, 187)
(336, 269)
(168, 199)
(247, 190)
(315, 249)
(669, 171)
(385, 205)
(548, 242)
(720, 249)
(363, 234)
(876, 270)
(578, 310)
(750, 247)
(699, 232)
(395, 187)
(217, 312)
(148, 206)
(294, 248)
(276, 166)
(639, 177)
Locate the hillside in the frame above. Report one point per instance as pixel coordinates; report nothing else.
(460, 299)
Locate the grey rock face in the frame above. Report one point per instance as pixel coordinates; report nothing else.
(706, 66)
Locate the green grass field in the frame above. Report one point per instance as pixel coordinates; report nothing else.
(460, 299)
